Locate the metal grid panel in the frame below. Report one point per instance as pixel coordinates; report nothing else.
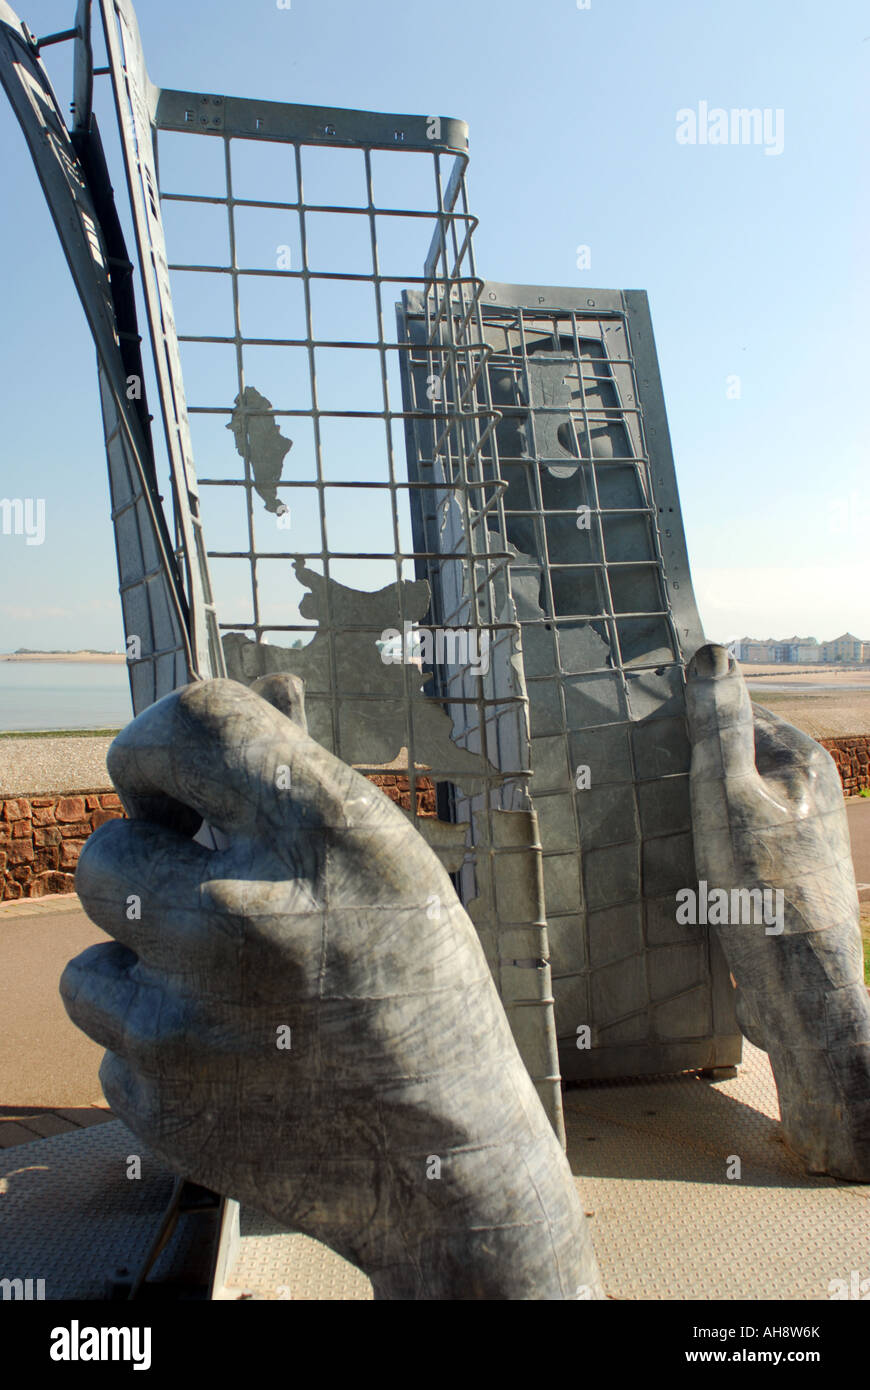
(456, 493)
(588, 513)
(607, 629)
(76, 189)
(134, 96)
(303, 228)
(263, 364)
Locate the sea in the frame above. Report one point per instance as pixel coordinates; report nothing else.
(63, 695)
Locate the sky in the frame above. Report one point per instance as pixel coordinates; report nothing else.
(753, 256)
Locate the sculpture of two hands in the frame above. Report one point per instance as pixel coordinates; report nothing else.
(289, 1022)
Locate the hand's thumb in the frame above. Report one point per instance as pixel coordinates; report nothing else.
(719, 710)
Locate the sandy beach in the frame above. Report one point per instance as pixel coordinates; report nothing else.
(806, 675)
(827, 715)
(824, 701)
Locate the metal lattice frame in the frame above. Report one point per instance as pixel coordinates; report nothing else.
(601, 576)
(134, 94)
(77, 191)
(478, 754)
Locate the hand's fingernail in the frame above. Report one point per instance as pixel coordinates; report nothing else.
(709, 663)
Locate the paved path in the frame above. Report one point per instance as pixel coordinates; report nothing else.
(858, 811)
(48, 1068)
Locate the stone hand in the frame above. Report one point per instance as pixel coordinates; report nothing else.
(304, 1019)
(768, 814)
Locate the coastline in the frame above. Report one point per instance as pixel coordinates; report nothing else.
(831, 674)
(69, 658)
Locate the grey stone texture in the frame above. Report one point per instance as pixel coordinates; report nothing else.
(304, 1019)
(769, 815)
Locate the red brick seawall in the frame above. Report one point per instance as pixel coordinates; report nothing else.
(852, 756)
(41, 837)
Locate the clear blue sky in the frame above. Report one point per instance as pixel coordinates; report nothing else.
(756, 265)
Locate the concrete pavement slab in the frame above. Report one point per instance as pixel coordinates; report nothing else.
(44, 1060)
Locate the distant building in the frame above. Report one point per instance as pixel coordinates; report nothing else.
(845, 648)
(752, 650)
(799, 649)
(778, 650)
(802, 651)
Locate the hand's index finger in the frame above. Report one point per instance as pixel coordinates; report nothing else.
(247, 769)
(214, 747)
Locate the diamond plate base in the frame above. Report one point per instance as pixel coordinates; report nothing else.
(273, 1264)
(651, 1158)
